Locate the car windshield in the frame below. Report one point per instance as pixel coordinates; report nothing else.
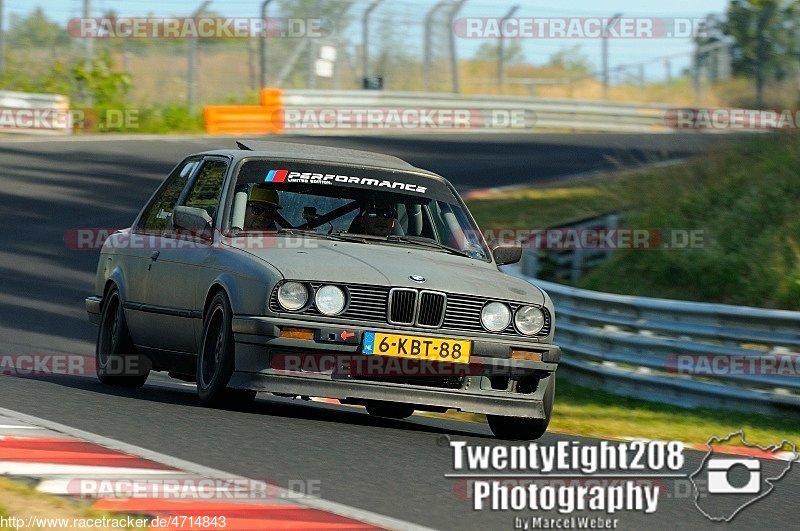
(369, 206)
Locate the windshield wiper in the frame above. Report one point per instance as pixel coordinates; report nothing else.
(308, 232)
(427, 243)
(347, 237)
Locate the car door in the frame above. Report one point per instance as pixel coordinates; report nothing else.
(172, 291)
(137, 258)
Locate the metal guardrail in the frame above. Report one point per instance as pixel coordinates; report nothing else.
(301, 111)
(530, 113)
(21, 112)
(633, 346)
(343, 111)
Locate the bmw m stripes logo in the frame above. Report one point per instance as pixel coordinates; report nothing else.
(276, 176)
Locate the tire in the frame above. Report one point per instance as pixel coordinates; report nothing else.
(524, 429)
(390, 410)
(115, 356)
(215, 361)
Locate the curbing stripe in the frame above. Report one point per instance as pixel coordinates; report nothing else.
(23, 468)
(354, 513)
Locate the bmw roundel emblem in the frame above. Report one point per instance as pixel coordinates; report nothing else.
(417, 278)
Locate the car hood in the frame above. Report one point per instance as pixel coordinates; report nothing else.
(392, 265)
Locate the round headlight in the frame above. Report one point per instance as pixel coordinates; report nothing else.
(330, 300)
(292, 296)
(495, 317)
(529, 320)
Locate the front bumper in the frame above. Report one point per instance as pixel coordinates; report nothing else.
(493, 383)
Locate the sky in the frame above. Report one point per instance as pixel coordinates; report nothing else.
(410, 13)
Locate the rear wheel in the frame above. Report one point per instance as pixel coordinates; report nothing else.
(390, 410)
(524, 429)
(215, 361)
(116, 361)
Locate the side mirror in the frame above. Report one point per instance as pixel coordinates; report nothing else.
(195, 220)
(507, 254)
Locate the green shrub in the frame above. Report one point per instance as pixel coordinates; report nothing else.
(746, 200)
(169, 118)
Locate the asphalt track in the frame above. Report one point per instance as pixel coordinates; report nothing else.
(395, 468)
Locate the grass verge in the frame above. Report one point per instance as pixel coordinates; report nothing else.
(744, 198)
(594, 413)
(591, 413)
(544, 207)
(21, 501)
(743, 201)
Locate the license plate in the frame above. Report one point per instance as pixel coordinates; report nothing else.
(421, 348)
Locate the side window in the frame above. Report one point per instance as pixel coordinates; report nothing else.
(158, 214)
(207, 186)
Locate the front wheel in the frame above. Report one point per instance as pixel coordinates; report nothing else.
(116, 362)
(215, 361)
(525, 429)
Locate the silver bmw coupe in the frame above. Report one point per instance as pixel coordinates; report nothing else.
(307, 271)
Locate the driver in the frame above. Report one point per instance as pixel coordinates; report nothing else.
(378, 219)
(262, 205)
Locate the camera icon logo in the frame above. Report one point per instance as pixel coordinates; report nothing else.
(719, 476)
(735, 474)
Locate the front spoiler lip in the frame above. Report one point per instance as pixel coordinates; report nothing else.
(266, 330)
(514, 406)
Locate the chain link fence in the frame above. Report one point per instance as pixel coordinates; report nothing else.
(413, 45)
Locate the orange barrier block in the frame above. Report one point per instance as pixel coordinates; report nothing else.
(271, 96)
(266, 118)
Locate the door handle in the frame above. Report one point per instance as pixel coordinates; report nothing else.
(154, 255)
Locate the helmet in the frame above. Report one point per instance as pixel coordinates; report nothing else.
(264, 195)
